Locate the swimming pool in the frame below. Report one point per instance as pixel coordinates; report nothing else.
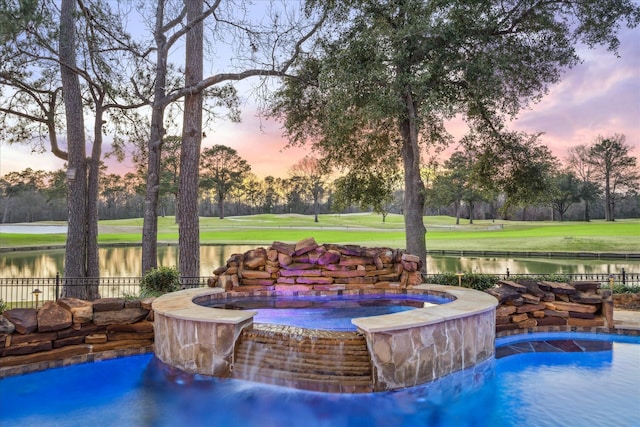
(532, 388)
(330, 312)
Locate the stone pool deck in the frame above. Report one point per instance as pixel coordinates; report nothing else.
(626, 319)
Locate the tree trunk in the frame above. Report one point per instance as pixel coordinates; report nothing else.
(587, 213)
(189, 226)
(608, 212)
(415, 230)
(150, 214)
(220, 203)
(93, 263)
(75, 252)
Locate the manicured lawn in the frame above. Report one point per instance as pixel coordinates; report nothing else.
(368, 229)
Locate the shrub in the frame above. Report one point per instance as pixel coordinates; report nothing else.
(619, 288)
(480, 282)
(3, 306)
(160, 281)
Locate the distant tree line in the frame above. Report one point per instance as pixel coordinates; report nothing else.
(575, 190)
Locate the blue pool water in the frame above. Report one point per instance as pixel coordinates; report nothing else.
(591, 388)
(330, 312)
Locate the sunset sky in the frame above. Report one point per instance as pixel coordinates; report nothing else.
(601, 96)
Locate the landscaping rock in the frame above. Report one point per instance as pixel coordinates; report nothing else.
(305, 245)
(25, 320)
(504, 293)
(53, 317)
(81, 311)
(6, 327)
(557, 287)
(124, 316)
(108, 304)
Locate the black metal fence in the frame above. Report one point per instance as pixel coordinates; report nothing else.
(29, 292)
(26, 292)
(605, 279)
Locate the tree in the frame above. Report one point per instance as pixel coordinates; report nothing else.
(313, 176)
(565, 191)
(75, 262)
(517, 165)
(367, 190)
(221, 169)
(578, 162)
(273, 47)
(392, 72)
(188, 226)
(170, 173)
(16, 185)
(75, 48)
(612, 163)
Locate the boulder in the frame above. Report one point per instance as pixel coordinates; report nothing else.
(108, 304)
(255, 274)
(305, 245)
(27, 348)
(557, 287)
(140, 327)
(532, 287)
(81, 311)
(53, 317)
(529, 308)
(551, 321)
(329, 257)
(255, 258)
(504, 293)
(586, 298)
(569, 306)
(284, 248)
(584, 286)
(6, 327)
(124, 316)
(25, 320)
(513, 285)
(257, 282)
(33, 337)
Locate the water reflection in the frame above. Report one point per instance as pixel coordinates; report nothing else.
(127, 261)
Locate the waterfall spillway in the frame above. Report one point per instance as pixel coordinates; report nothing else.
(309, 359)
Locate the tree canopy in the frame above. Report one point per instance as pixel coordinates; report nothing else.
(391, 73)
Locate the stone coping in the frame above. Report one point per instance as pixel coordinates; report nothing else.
(467, 302)
(180, 305)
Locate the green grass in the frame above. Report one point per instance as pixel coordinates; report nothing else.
(368, 229)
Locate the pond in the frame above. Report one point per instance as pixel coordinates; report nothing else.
(127, 261)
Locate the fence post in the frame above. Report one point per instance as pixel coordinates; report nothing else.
(508, 273)
(57, 285)
(624, 277)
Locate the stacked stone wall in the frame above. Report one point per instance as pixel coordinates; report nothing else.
(525, 304)
(70, 328)
(308, 266)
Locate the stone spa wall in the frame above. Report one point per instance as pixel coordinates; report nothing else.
(73, 331)
(528, 304)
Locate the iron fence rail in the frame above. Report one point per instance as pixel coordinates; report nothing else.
(24, 292)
